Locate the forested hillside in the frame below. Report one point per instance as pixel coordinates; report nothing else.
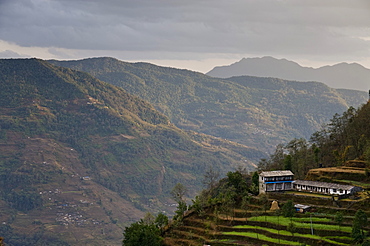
(231, 212)
(80, 158)
(257, 112)
(345, 138)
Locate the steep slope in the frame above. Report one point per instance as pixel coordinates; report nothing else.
(80, 158)
(343, 75)
(257, 112)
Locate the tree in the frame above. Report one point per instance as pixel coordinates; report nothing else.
(288, 162)
(140, 233)
(255, 179)
(359, 222)
(338, 218)
(210, 178)
(316, 152)
(366, 243)
(299, 152)
(277, 159)
(178, 192)
(161, 221)
(265, 203)
(229, 201)
(148, 219)
(238, 182)
(245, 204)
(181, 208)
(198, 205)
(292, 228)
(288, 209)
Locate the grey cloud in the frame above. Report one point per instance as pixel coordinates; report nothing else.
(10, 54)
(290, 27)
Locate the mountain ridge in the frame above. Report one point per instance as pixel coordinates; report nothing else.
(226, 108)
(342, 75)
(81, 158)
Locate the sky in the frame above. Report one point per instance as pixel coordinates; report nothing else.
(191, 34)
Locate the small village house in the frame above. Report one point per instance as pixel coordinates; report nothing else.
(325, 188)
(275, 181)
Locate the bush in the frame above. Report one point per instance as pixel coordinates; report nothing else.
(139, 233)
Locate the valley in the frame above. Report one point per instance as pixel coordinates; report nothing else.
(82, 159)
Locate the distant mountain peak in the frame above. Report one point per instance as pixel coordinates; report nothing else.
(342, 75)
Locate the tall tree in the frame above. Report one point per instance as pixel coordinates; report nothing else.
(140, 233)
(339, 218)
(210, 178)
(288, 162)
(288, 209)
(161, 221)
(359, 222)
(178, 192)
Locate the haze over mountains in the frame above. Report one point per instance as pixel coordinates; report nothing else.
(80, 158)
(256, 112)
(86, 153)
(343, 75)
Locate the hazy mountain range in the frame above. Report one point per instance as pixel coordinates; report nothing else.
(254, 111)
(343, 75)
(80, 158)
(86, 153)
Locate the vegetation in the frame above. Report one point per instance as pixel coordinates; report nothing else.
(257, 112)
(178, 192)
(231, 219)
(141, 233)
(339, 218)
(74, 145)
(87, 159)
(288, 209)
(359, 222)
(345, 138)
(228, 222)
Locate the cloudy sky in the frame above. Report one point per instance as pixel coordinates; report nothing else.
(192, 34)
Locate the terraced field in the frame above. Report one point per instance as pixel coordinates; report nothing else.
(259, 228)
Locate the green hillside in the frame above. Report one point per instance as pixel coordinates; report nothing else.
(344, 141)
(257, 112)
(80, 158)
(231, 213)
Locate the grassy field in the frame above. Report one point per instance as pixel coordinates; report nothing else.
(261, 230)
(287, 233)
(302, 223)
(263, 237)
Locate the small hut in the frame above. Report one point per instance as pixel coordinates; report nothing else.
(274, 205)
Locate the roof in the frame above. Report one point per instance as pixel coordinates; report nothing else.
(301, 206)
(323, 184)
(276, 173)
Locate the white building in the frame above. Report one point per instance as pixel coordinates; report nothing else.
(325, 188)
(275, 181)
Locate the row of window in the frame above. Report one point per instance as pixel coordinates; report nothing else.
(280, 178)
(278, 186)
(319, 189)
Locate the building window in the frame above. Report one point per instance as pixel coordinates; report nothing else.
(269, 187)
